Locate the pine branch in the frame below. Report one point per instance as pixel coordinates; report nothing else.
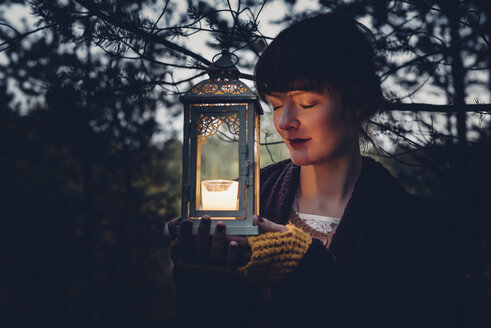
(417, 107)
(9, 42)
(140, 31)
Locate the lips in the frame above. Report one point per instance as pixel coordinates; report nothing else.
(297, 142)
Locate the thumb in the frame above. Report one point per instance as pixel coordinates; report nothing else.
(266, 225)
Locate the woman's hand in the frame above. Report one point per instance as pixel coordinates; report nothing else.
(219, 247)
(267, 226)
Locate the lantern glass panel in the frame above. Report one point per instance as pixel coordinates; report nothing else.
(217, 161)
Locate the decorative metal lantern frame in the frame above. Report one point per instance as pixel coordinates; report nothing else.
(222, 101)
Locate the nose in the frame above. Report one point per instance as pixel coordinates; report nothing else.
(289, 117)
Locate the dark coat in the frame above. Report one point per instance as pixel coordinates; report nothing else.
(391, 263)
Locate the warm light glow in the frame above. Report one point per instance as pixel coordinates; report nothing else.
(219, 195)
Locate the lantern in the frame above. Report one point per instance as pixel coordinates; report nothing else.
(220, 162)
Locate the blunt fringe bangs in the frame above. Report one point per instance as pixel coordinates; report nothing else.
(323, 50)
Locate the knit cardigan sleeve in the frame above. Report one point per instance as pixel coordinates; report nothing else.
(381, 270)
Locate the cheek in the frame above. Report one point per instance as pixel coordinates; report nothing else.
(332, 128)
(327, 122)
(335, 117)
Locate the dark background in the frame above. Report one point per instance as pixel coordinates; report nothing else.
(88, 177)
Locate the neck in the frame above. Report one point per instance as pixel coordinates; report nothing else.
(326, 188)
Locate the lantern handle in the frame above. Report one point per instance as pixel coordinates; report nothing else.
(225, 52)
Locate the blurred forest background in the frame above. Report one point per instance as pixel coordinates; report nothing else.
(90, 150)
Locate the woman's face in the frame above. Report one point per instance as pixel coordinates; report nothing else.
(314, 126)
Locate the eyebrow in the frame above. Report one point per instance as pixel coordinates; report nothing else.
(290, 93)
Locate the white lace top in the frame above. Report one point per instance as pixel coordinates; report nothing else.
(325, 224)
(320, 223)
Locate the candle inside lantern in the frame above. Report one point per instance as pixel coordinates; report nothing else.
(219, 195)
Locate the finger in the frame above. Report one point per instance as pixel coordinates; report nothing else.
(186, 237)
(268, 226)
(171, 226)
(218, 242)
(232, 253)
(242, 242)
(203, 236)
(244, 249)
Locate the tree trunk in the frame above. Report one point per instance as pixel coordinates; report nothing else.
(458, 74)
(473, 281)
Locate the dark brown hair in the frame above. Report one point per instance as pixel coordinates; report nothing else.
(323, 50)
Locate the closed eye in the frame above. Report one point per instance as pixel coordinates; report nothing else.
(307, 106)
(277, 107)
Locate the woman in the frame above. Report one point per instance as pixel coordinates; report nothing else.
(341, 243)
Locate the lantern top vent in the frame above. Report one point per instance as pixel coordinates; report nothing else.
(223, 83)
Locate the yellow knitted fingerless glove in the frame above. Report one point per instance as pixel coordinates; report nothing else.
(275, 255)
(198, 270)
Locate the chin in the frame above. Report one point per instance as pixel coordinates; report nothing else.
(300, 157)
(301, 160)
